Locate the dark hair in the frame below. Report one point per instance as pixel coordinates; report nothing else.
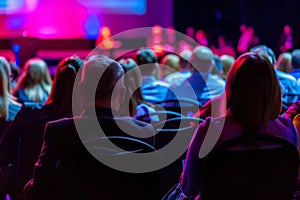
(267, 50)
(62, 88)
(148, 58)
(296, 58)
(145, 56)
(252, 91)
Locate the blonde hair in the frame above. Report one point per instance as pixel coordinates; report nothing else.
(4, 87)
(227, 62)
(284, 62)
(35, 80)
(171, 63)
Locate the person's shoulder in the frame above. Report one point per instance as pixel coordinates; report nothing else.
(62, 122)
(286, 76)
(284, 121)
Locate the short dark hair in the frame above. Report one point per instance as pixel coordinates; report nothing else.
(147, 57)
(296, 58)
(267, 50)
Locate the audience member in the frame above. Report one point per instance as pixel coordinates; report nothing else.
(8, 110)
(29, 125)
(227, 62)
(153, 89)
(34, 84)
(252, 108)
(61, 136)
(170, 63)
(133, 81)
(296, 64)
(202, 84)
(9, 107)
(284, 62)
(290, 90)
(177, 78)
(14, 74)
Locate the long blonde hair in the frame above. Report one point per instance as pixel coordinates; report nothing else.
(4, 87)
(35, 80)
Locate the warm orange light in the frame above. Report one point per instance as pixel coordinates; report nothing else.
(156, 30)
(105, 32)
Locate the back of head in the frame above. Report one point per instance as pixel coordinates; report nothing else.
(102, 73)
(284, 62)
(202, 59)
(62, 87)
(227, 62)
(268, 51)
(35, 72)
(296, 59)
(147, 58)
(4, 87)
(6, 70)
(253, 92)
(171, 63)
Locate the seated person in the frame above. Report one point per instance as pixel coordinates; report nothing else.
(64, 136)
(253, 107)
(134, 104)
(28, 126)
(202, 85)
(177, 78)
(34, 84)
(296, 64)
(169, 64)
(289, 88)
(153, 90)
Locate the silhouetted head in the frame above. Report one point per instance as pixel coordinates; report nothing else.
(284, 62)
(296, 59)
(4, 87)
(147, 61)
(268, 51)
(107, 75)
(169, 64)
(202, 59)
(253, 92)
(61, 93)
(227, 62)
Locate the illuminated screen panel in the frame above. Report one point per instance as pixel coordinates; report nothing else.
(17, 6)
(133, 7)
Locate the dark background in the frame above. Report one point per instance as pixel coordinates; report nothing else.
(266, 16)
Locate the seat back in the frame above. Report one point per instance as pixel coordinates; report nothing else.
(185, 106)
(183, 127)
(251, 167)
(81, 176)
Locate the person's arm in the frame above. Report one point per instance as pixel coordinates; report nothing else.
(190, 178)
(42, 186)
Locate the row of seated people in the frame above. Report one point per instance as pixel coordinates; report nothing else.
(112, 96)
